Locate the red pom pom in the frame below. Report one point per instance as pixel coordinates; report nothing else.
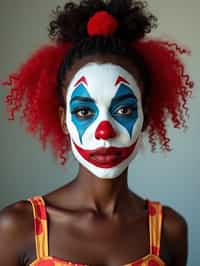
(102, 23)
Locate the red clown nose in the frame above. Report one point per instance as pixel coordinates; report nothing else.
(105, 131)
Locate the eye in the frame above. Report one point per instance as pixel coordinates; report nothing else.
(125, 110)
(83, 112)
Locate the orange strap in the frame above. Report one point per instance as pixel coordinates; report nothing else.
(40, 226)
(41, 233)
(155, 224)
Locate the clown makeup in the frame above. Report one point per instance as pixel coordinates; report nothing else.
(104, 118)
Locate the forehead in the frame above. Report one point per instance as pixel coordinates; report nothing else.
(102, 81)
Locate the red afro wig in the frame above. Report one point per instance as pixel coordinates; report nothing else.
(34, 93)
(170, 88)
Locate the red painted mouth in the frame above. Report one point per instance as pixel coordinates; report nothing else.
(106, 157)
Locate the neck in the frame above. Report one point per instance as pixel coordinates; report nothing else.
(102, 195)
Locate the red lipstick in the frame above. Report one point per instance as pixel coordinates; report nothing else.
(106, 157)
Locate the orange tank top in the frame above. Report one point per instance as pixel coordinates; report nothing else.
(41, 237)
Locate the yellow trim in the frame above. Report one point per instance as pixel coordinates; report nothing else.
(45, 228)
(41, 241)
(36, 239)
(155, 224)
(143, 260)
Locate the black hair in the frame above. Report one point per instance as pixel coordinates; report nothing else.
(70, 25)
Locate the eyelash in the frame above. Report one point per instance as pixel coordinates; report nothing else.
(77, 110)
(91, 113)
(131, 110)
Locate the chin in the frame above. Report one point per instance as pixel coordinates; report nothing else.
(105, 173)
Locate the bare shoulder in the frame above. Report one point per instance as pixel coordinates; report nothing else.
(174, 224)
(175, 229)
(16, 230)
(16, 218)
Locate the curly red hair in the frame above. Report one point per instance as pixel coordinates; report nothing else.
(170, 88)
(34, 93)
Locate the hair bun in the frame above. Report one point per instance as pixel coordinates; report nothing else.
(102, 23)
(128, 20)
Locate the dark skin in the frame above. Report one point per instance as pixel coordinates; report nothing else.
(91, 220)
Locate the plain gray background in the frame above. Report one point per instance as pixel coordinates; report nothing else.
(170, 178)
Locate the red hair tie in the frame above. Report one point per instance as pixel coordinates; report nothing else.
(102, 23)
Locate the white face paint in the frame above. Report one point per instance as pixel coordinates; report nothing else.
(104, 118)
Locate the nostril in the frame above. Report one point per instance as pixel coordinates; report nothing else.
(105, 131)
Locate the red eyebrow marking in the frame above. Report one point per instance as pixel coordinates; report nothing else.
(82, 79)
(121, 79)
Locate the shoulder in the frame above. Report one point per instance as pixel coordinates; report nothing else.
(16, 232)
(175, 230)
(16, 221)
(174, 224)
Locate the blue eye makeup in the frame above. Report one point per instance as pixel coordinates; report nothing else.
(128, 102)
(123, 108)
(83, 110)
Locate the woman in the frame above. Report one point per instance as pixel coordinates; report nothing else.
(95, 91)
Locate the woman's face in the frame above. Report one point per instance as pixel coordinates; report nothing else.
(104, 118)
